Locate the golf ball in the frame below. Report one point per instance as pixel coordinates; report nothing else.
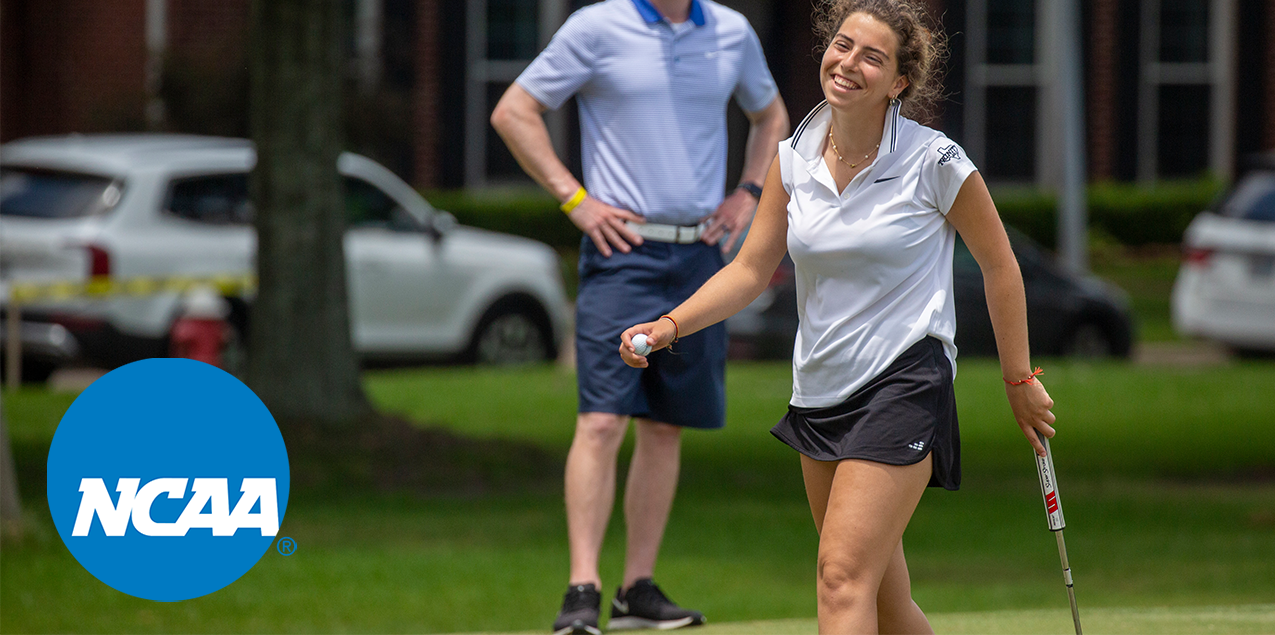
(639, 343)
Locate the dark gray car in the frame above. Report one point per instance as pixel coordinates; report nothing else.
(1067, 315)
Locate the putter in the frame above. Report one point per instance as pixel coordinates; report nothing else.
(1053, 512)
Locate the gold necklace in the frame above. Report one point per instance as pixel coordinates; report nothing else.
(838, 153)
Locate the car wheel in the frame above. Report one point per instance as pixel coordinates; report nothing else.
(512, 333)
(1088, 341)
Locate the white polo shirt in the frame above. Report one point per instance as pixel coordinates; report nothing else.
(652, 99)
(873, 263)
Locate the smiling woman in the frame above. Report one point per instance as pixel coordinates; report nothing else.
(868, 203)
(921, 48)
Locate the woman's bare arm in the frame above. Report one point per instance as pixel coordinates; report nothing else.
(973, 214)
(736, 285)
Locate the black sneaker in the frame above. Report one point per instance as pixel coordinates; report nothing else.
(646, 606)
(580, 608)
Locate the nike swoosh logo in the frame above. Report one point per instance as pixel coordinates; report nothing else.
(888, 178)
(622, 607)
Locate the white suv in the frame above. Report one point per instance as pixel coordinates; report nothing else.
(130, 206)
(1225, 289)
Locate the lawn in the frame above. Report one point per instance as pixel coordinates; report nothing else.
(1167, 479)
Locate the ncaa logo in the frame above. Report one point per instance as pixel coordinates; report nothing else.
(167, 479)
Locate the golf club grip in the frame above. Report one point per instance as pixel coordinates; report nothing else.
(1049, 486)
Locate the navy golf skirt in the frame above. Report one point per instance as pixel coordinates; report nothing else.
(897, 418)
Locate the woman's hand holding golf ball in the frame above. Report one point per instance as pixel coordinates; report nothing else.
(639, 341)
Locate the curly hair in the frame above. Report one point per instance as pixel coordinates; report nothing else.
(922, 44)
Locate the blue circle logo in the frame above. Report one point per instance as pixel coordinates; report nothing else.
(167, 479)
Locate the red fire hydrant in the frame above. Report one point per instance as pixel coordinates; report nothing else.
(201, 332)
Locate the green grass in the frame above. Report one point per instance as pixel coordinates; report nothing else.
(1166, 480)
(1152, 621)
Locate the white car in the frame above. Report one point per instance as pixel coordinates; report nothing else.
(1225, 290)
(130, 206)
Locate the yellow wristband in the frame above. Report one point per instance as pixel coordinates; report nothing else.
(574, 201)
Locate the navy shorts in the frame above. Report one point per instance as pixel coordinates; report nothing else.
(685, 386)
(900, 416)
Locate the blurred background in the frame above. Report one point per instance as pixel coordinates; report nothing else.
(1173, 88)
(1178, 104)
(1158, 345)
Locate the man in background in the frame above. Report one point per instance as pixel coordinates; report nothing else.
(652, 79)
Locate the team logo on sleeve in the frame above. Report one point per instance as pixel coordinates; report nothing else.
(948, 153)
(167, 479)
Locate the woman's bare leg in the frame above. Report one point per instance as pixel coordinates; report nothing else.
(818, 477)
(896, 612)
(867, 507)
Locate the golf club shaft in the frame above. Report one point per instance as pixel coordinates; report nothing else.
(1054, 515)
(1071, 591)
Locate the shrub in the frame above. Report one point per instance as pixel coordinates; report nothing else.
(1131, 214)
(523, 212)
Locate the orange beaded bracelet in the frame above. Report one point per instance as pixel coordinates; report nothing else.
(1030, 378)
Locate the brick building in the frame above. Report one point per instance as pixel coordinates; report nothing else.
(1172, 87)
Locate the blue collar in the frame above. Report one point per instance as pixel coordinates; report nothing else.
(653, 15)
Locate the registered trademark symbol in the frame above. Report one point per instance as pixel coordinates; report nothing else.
(286, 546)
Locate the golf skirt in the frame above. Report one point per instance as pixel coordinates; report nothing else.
(897, 418)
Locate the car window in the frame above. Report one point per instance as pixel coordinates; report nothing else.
(367, 206)
(219, 199)
(55, 194)
(1253, 198)
(223, 199)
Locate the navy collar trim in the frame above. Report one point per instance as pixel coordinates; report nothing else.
(796, 137)
(653, 15)
(810, 147)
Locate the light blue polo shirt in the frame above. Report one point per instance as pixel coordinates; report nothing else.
(652, 100)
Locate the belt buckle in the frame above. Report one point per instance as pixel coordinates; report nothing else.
(692, 234)
(677, 234)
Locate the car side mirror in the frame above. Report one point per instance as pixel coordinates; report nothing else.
(441, 224)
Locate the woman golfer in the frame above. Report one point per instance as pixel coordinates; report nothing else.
(868, 202)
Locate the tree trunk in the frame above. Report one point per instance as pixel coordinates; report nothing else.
(301, 361)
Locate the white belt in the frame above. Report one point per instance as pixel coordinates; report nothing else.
(668, 233)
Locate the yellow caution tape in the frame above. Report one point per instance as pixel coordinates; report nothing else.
(105, 286)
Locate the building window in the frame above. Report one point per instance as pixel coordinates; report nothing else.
(1002, 88)
(1011, 32)
(1185, 102)
(512, 32)
(1183, 148)
(1184, 87)
(1184, 33)
(501, 167)
(1011, 115)
(502, 37)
